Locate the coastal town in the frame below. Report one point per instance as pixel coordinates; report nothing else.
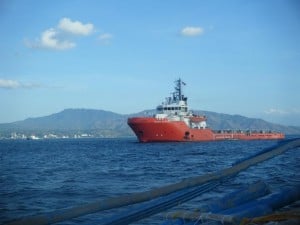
(22, 136)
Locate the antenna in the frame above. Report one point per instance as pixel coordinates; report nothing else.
(178, 89)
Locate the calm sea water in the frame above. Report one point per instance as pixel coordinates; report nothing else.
(40, 176)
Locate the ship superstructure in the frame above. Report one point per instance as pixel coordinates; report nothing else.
(175, 108)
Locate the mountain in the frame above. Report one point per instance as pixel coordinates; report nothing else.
(72, 121)
(220, 121)
(100, 123)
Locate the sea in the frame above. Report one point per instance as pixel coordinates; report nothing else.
(42, 176)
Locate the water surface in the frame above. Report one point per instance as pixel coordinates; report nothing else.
(39, 176)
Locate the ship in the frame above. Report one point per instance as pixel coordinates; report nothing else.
(174, 122)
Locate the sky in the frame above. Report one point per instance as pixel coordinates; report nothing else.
(236, 57)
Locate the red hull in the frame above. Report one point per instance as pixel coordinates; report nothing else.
(149, 129)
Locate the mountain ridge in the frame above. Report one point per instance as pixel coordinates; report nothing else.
(102, 123)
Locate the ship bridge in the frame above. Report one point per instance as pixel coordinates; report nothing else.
(176, 104)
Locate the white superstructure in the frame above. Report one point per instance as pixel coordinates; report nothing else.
(175, 108)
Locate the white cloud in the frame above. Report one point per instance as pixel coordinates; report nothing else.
(288, 116)
(192, 31)
(75, 27)
(275, 111)
(105, 38)
(9, 84)
(13, 84)
(61, 37)
(281, 112)
(51, 39)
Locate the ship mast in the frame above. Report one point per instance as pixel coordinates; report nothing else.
(178, 88)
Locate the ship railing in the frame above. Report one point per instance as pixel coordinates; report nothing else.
(229, 131)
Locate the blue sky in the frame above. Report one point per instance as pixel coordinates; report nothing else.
(237, 57)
